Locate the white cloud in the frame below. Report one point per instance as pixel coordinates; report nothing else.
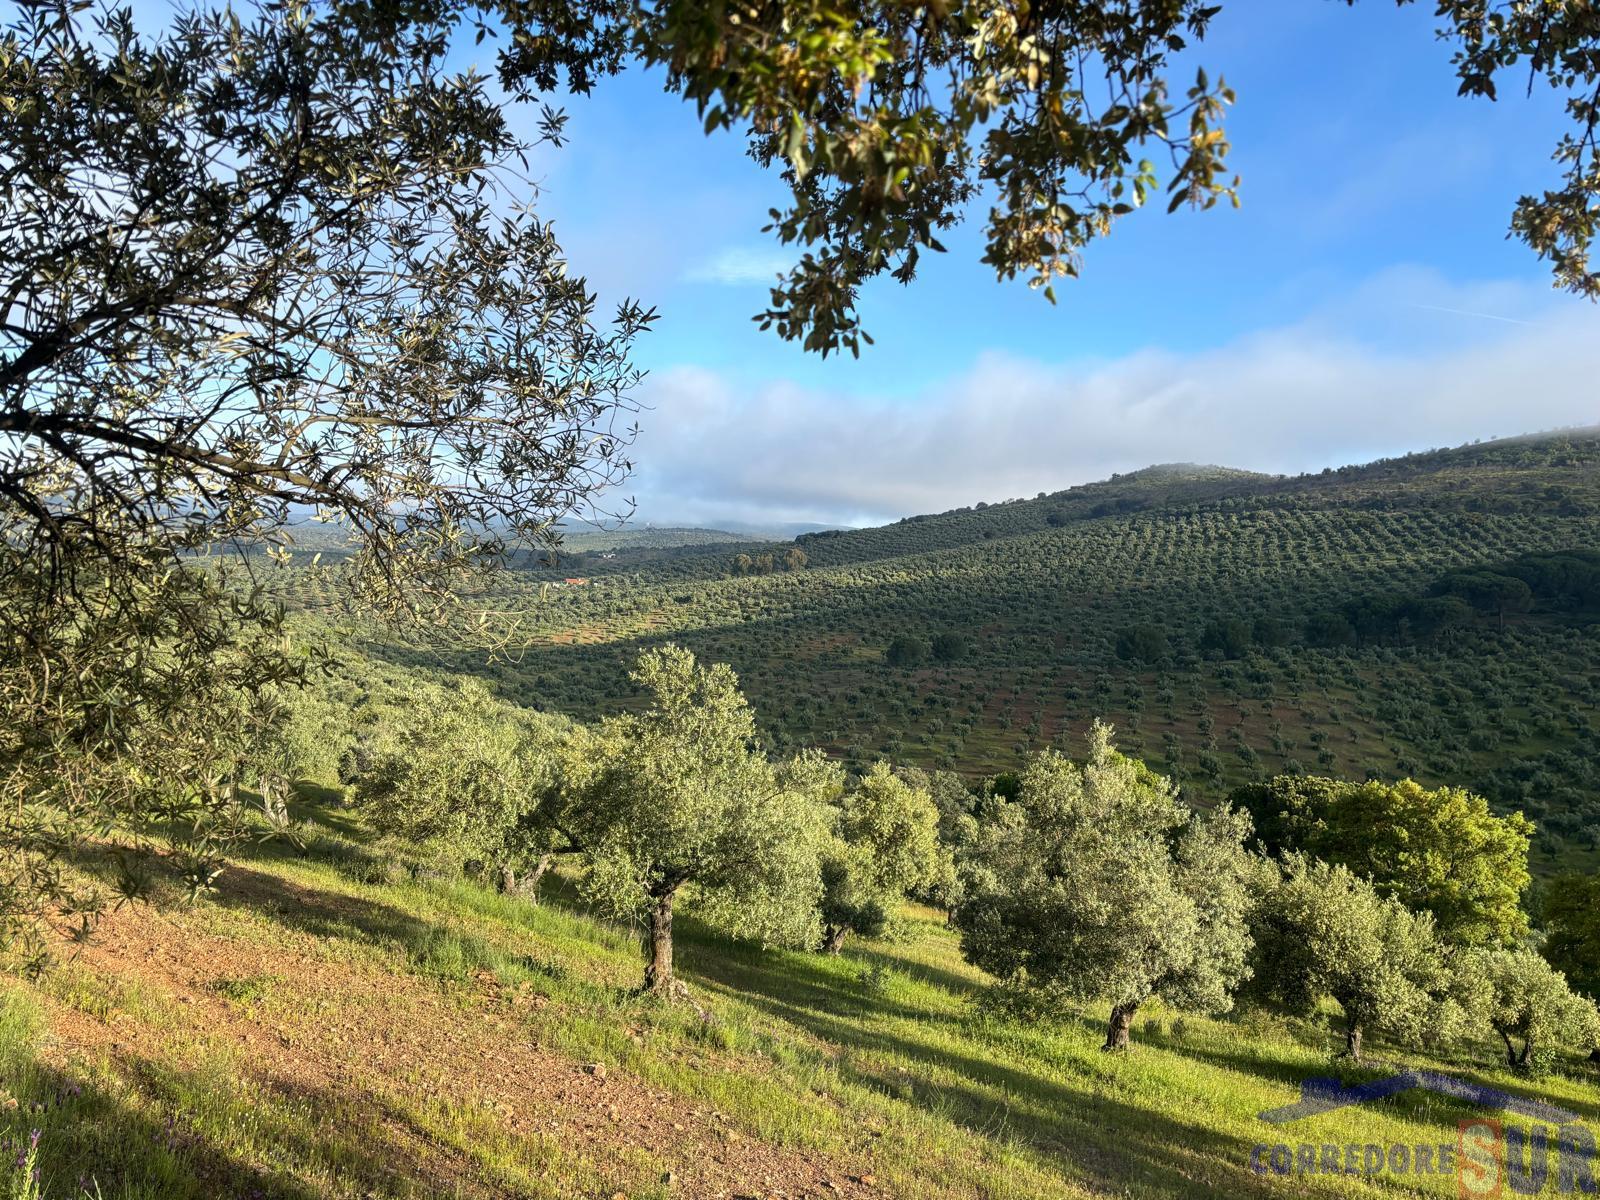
(737, 266)
(1377, 372)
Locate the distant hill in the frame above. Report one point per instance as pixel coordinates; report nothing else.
(1193, 472)
(1467, 472)
(648, 537)
(310, 537)
(775, 530)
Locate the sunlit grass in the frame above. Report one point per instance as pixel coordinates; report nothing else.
(877, 1055)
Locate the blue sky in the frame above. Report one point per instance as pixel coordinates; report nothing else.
(1356, 156)
(1374, 200)
(1363, 301)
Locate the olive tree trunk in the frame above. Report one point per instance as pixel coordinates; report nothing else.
(1352, 1040)
(531, 883)
(1120, 1028)
(658, 976)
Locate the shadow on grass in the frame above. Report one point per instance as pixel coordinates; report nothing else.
(325, 806)
(89, 1138)
(1101, 1141)
(434, 948)
(934, 976)
(325, 914)
(1382, 1062)
(1264, 1065)
(802, 983)
(301, 1139)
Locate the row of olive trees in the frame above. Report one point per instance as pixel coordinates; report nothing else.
(678, 797)
(1068, 881)
(1095, 883)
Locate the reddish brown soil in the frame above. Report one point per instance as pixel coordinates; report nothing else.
(351, 1035)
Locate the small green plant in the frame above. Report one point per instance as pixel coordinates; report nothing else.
(874, 979)
(248, 991)
(717, 1034)
(23, 1182)
(25, 1178)
(446, 954)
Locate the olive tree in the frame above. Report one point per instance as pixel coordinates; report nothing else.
(885, 844)
(470, 777)
(682, 797)
(1323, 931)
(312, 735)
(957, 805)
(1097, 882)
(263, 268)
(1521, 997)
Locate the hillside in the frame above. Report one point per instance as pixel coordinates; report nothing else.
(447, 752)
(644, 537)
(352, 1014)
(329, 1027)
(1039, 595)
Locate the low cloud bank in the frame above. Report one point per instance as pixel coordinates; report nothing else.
(1382, 371)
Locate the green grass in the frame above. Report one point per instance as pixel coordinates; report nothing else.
(878, 1055)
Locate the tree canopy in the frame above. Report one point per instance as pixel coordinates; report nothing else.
(1324, 931)
(906, 651)
(1097, 882)
(885, 844)
(462, 774)
(887, 122)
(1521, 997)
(1440, 851)
(266, 264)
(682, 796)
(263, 266)
(1570, 914)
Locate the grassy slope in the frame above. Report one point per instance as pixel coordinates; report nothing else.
(329, 1027)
